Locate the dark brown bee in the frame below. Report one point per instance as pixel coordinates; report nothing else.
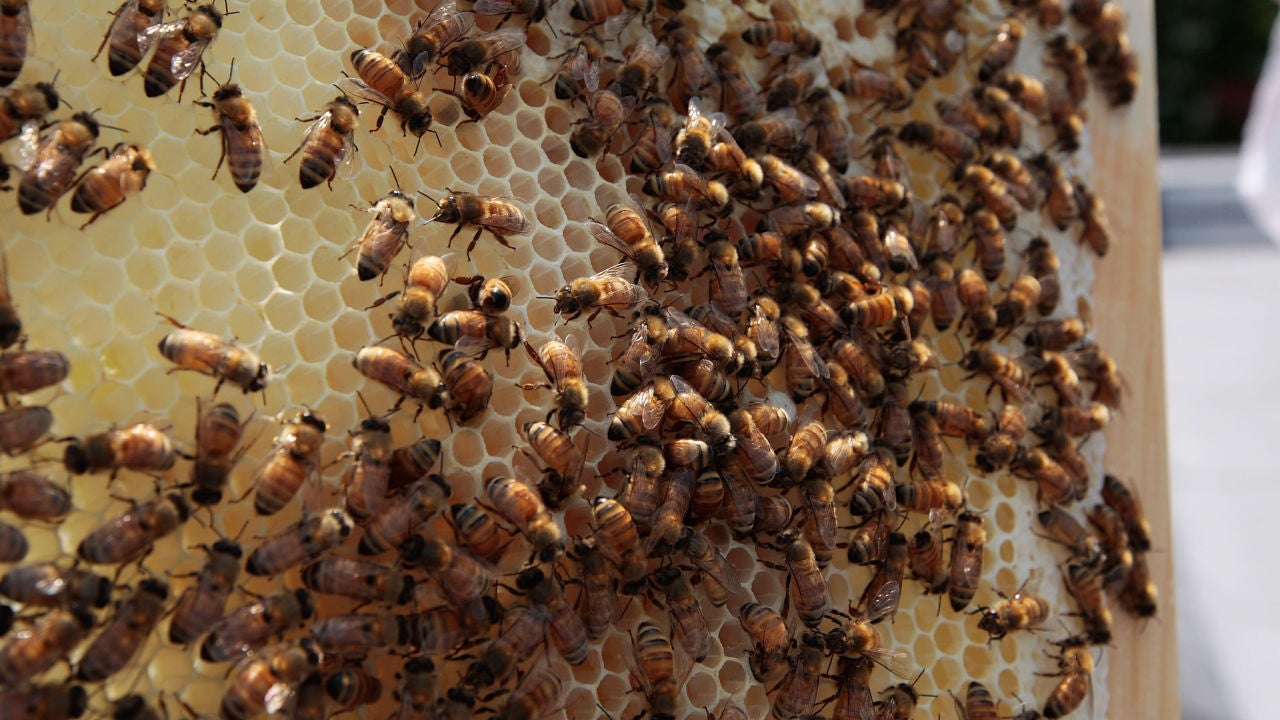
(498, 215)
(48, 640)
(133, 532)
(668, 519)
(411, 462)
(853, 699)
(564, 628)
(1059, 195)
(1139, 595)
(1002, 49)
(202, 604)
(782, 38)
(867, 83)
(1070, 59)
(606, 114)
(24, 108)
(562, 366)
(301, 542)
(180, 47)
(265, 681)
(463, 581)
(132, 18)
(468, 384)
(563, 460)
(1042, 262)
(537, 695)
(402, 374)
(384, 236)
(1055, 335)
(15, 35)
(943, 139)
(125, 633)
(243, 147)
(694, 75)
(768, 631)
(482, 93)
(383, 81)
(870, 540)
(1054, 485)
(360, 580)
(32, 496)
(1025, 610)
(241, 632)
(351, 687)
(996, 201)
(954, 419)
(218, 433)
(645, 58)
(485, 49)
(812, 599)
(1000, 448)
(49, 585)
(1007, 372)
(45, 702)
(798, 692)
(579, 72)
(13, 543)
(615, 13)
(55, 158)
(966, 559)
(597, 604)
(1085, 586)
(788, 83)
(741, 97)
(656, 667)
(293, 459)
(443, 27)
(1061, 527)
(1120, 498)
(521, 506)
(1097, 230)
(403, 514)
(619, 540)
(209, 354)
(1075, 666)
(436, 631)
(328, 143)
(608, 290)
(926, 559)
(22, 428)
(419, 689)
(1117, 558)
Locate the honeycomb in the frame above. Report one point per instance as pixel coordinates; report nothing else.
(267, 269)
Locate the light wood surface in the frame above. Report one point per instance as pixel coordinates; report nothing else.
(1125, 145)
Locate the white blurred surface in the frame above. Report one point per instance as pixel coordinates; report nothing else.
(1222, 318)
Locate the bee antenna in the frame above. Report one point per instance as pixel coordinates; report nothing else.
(433, 200)
(397, 179)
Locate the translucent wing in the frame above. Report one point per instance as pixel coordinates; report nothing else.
(502, 40)
(494, 7)
(250, 137)
(651, 409)
(586, 71)
(764, 332)
(621, 270)
(624, 295)
(718, 120)
(614, 25)
(185, 61)
(155, 33)
(511, 221)
(681, 385)
(605, 236)
(780, 47)
(359, 89)
(24, 157)
(884, 601)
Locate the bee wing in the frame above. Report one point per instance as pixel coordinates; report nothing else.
(884, 601)
(24, 156)
(513, 222)
(605, 236)
(895, 661)
(473, 345)
(461, 24)
(623, 270)
(185, 62)
(358, 88)
(151, 35)
(651, 411)
(614, 25)
(718, 120)
(492, 7)
(250, 137)
(719, 570)
(780, 47)
(681, 385)
(765, 333)
(503, 40)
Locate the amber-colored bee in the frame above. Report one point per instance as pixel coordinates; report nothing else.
(788, 83)
(1085, 586)
(994, 194)
(563, 459)
(1059, 195)
(22, 428)
(1022, 296)
(741, 97)
(966, 559)
(619, 540)
(133, 532)
(641, 414)
(264, 682)
(645, 58)
(48, 640)
(383, 81)
(882, 308)
(1053, 483)
(47, 702)
(24, 108)
(608, 290)
(1117, 559)
(642, 493)
(468, 384)
(360, 580)
(782, 38)
(536, 696)
(384, 236)
(1007, 372)
(301, 542)
(1025, 610)
(478, 531)
(579, 71)
(469, 54)
(436, 631)
(209, 354)
(1139, 594)
(1042, 263)
(1125, 502)
(426, 281)
(687, 338)
(443, 27)
(803, 366)
(202, 604)
(798, 692)
(562, 366)
(943, 139)
(1000, 448)
(328, 143)
(565, 629)
(607, 113)
(498, 215)
(768, 657)
(55, 158)
(411, 462)
(218, 432)
(867, 83)
(1075, 666)
(521, 506)
(812, 599)
(365, 485)
(403, 514)
(134, 18)
(293, 459)
(655, 664)
(124, 634)
(32, 496)
(1097, 230)
(180, 47)
(743, 173)
(241, 632)
(684, 184)
(652, 148)
(1061, 527)
(242, 140)
(402, 374)
(694, 75)
(627, 231)
(49, 585)
(482, 93)
(752, 448)
(955, 419)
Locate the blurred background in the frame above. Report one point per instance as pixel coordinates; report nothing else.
(1221, 277)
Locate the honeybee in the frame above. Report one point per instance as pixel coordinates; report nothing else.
(655, 666)
(133, 533)
(652, 147)
(26, 107)
(949, 142)
(301, 542)
(1097, 230)
(579, 71)
(218, 432)
(537, 694)
(642, 64)
(597, 604)
(425, 282)
(677, 491)
(1125, 502)
(15, 35)
(209, 354)
(684, 184)
(899, 702)
(756, 457)
(892, 303)
(1025, 610)
(1000, 448)
(1063, 528)
(49, 585)
(626, 230)
(874, 487)
(46, 702)
(614, 13)
(468, 384)
(241, 135)
(32, 496)
(202, 604)
(402, 374)
(966, 559)
(607, 290)
(328, 143)
(1139, 594)
(686, 337)
(788, 83)
(955, 419)
(768, 631)
(470, 53)
(124, 634)
(740, 98)
(482, 93)
(411, 462)
(419, 689)
(180, 46)
(1117, 559)
(523, 629)
(853, 700)
(436, 33)
(619, 540)
(351, 687)
(782, 38)
(606, 114)
(498, 215)
(1059, 195)
(403, 514)
(562, 457)
(384, 236)
(927, 495)
(436, 631)
(1085, 586)
(521, 506)
(365, 485)
(1075, 666)
(565, 629)
(997, 204)
(265, 682)
(132, 19)
(1042, 263)
(694, 74)
(1002, 49)
(866, 83)
(744, 172)
(1004, 371)
(1053, 483)
(360, 580)
(812, 599)
(1023, 294)
(22, 428)
(562, 366)
(54, 159)
(463, 581)
(48, 640)
(293, 459)
(242, 631)
(639, 415)
(763, 331)
(383, 81)
(801, 362)
(925, 558)
(798, 691)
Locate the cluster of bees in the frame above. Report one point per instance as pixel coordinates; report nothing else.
(787, 404)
